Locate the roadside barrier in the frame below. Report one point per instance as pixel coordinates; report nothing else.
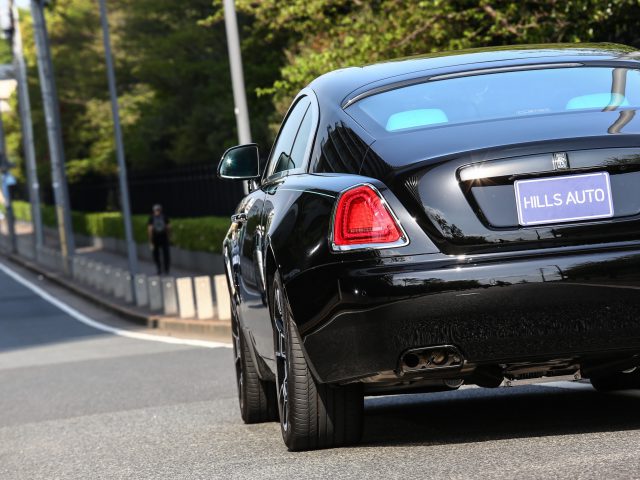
(155, 294)
(199, 297)
(184, 288)
(222, 294)
(204, 302)
(169, 296)
(142, 290)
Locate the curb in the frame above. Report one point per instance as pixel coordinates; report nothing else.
(215, 328)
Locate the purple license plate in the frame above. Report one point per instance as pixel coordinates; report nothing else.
(563, 199)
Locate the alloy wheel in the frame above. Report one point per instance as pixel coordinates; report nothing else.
(237, 355)
(282, 363)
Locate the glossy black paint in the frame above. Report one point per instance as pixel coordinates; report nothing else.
(495, 310)
(469, 277)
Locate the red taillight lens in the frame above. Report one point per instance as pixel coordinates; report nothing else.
(362, 218)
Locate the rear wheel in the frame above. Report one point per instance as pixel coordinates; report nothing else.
(257, 399)
(312, 415)
(617, 381)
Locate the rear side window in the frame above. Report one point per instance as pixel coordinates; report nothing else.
(499, 96)
(302, 139)
(281, 159)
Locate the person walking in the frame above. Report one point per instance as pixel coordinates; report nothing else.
(159, 231)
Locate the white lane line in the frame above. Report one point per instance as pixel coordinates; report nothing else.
(81, 317)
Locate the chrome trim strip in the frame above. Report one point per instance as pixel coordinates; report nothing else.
(517, 68)
(287, 189)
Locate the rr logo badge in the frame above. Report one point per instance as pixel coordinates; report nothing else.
(560, 161)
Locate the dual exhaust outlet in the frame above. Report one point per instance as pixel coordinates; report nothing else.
(431, 358)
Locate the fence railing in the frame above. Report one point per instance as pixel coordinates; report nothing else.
(187, 191)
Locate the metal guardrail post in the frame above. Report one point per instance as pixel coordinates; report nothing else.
(24, 104)
(237, 75)
(52, 120)
(5, 166)
(122, 166)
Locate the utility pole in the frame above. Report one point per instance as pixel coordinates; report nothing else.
(27, 128)
(54, 133)
(122, 166)
(237, 76)
(7, 182)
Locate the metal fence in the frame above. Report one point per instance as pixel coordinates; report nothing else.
(185, 191)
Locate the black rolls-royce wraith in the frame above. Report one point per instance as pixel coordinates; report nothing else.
(420, 224)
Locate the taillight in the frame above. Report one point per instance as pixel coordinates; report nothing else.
(362, 218)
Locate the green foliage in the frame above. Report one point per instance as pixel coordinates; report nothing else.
(198, 234)
(324, 35)
(174, 86)
(74, 31)
(173, 74)
(201, 234)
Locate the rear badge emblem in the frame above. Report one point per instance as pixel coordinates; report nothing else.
(560, 161)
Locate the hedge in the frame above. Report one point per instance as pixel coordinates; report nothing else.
(204, 234)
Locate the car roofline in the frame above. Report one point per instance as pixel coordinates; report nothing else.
(443, 76)
(480, 69)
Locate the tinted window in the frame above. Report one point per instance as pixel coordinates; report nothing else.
(281, 159)
(500, 95)
(302, 139)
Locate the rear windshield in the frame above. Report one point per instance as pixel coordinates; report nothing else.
(499, 95)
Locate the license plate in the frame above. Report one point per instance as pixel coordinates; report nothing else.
(563, 199)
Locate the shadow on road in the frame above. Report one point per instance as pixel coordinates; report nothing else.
(478, 415)
(27, 320)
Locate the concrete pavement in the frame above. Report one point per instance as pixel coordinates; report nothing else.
(77, 402)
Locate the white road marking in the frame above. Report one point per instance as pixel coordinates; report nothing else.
(81, 317)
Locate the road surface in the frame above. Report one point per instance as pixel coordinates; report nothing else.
(80, 402)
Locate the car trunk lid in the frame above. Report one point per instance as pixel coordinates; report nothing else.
(460, 181)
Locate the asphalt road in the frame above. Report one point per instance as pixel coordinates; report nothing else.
(77, 402)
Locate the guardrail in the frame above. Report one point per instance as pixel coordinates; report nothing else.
(198, 297)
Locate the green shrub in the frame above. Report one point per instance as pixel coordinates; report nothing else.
(204, 234)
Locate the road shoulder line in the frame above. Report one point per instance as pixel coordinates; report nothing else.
(82, 318)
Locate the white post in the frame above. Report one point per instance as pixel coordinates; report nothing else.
(237, 76)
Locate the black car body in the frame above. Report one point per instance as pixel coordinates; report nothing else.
(466, 289)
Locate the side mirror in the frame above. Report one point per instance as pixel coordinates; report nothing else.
(240, 163)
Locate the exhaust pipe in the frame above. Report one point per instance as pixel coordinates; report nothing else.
(431, 358)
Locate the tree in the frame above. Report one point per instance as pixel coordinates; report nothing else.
(173, 73)
(328, 34)
(173, 83)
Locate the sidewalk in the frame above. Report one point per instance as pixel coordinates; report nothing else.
(183, 302)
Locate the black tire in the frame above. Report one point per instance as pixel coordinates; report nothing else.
(312, 415)
(617, 381)
(257, 399)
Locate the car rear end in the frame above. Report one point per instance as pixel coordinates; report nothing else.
(516, 195)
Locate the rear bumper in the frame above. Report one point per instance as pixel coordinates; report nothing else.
(494, 310)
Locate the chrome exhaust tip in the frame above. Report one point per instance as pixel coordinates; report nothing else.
(431, 358)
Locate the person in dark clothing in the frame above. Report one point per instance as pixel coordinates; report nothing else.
(159, 230)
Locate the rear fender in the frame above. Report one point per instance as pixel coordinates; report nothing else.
(298, 213)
